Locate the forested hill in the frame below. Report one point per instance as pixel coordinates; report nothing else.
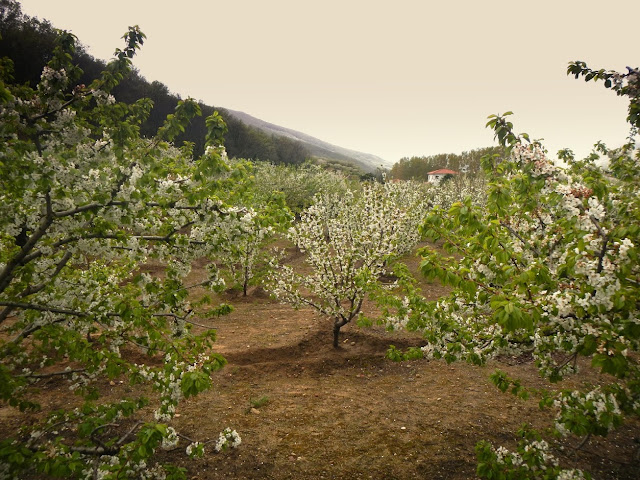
(417, 168)
(319, 149)
(29, 43)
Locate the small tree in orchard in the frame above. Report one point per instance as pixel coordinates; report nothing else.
(84, 204)
(349, 241)
(550, 267)
(243, 242)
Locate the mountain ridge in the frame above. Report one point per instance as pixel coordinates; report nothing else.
(318, 148)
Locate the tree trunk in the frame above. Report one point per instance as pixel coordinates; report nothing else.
(336, 332)
(337, 325)
(245, 283)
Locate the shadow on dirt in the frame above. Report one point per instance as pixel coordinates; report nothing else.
(316, 355)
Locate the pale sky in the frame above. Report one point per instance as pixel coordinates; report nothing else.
(392, 78)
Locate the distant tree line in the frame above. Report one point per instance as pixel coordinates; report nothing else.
(417, 168)
(29, 43)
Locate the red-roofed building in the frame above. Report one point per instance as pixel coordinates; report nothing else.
(437, 175)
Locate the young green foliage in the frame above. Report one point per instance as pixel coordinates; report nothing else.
(548, 267)
(85, 205)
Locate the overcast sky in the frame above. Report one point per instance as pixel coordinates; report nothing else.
(392, 78)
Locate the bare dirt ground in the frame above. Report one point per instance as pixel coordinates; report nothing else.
(305, 410)
(351, 413)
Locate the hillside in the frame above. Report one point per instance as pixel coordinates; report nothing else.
(319, 149)
(29, 42)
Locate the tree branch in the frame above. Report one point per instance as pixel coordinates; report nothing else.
(49, 113)
(98, 428)
(42, 308)
(7, 273)
(519, 237)
(30, 290)
(126, 435)
(53, 374)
